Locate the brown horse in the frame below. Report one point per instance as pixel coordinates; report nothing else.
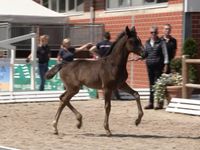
(108, 73)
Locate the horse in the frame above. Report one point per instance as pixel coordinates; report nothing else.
(108, 73)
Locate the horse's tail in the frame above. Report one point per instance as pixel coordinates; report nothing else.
(52, 72)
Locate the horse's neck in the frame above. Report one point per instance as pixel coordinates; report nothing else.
(120, 54)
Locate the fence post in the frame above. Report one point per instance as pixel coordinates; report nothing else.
(33, 62)
(185, 76)
(12, 62)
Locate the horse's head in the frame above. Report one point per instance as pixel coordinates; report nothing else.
(133, 43)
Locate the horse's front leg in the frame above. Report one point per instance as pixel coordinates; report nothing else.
(107, 97)
(57, 116)
(126, 88)
(64, 100)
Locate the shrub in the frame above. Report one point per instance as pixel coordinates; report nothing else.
(176, 65)
(190, 48)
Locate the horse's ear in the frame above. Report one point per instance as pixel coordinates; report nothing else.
(127, 30)
(133, 29)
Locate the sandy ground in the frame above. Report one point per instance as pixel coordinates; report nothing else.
(28, 126)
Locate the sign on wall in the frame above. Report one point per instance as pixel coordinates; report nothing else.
(4, 74)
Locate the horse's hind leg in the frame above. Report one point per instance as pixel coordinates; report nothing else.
(107, 96)
(126, 88)
(77, 114)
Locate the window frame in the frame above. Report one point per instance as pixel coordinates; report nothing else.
(144, 5)
(75, 10)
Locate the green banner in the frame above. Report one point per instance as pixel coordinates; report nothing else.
(22, 78)
(22, 75)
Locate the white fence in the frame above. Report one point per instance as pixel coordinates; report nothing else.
(6, 44)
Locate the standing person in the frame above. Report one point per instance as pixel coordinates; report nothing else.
(156, 60)
(66, 53)
(43, 55)
(171, 49)
(170, 42)
(102, 49)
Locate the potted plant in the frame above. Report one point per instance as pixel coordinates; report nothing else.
(168, 83)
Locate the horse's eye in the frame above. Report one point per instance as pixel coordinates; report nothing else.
(131, 42)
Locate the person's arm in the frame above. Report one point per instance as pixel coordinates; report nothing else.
(136, 58)
(144, 54)
(93, 50)
(174, 48)
(28, 58)
(49, 55)
(166, 58)
(84, 47)
(59, 58)
(49, 52)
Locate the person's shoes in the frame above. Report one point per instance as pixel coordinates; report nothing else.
(116, 98)
(159, 106)
(149, 106)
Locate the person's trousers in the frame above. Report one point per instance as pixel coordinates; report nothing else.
(43, 68)
(154, 72)
(116, 93)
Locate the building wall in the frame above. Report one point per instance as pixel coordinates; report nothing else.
(195, 33)
(142, 19)
(175, 1)
(195, 20)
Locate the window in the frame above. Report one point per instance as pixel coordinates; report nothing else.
(124, 3)
(64, 5)
(46, 3)
(162, 1)
(53, 5)
(131, 3)
(79, 5)
(71, 5)
(155, 1)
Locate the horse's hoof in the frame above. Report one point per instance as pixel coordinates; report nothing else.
(108, 133)
(79, 125)
(55, 132)
(55, 127)
(137, 122)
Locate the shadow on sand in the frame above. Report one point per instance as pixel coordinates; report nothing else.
(141, 136)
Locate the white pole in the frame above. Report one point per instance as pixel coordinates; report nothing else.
(12, 62)
(33, 61)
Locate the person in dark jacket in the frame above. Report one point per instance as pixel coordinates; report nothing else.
(67, 52)
(157, 61)
(170, 42)
(102, 49)
(43, 55)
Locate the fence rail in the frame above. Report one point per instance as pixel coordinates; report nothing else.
(186, 84)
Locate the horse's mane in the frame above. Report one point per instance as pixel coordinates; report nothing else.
(114, 43)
